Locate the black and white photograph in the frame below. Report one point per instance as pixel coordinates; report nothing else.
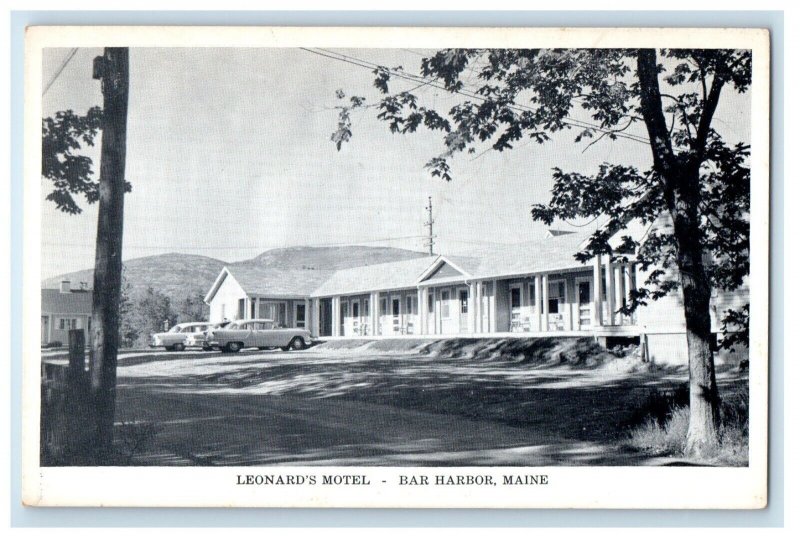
(396, 267)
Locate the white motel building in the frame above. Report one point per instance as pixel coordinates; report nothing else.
(535, 289)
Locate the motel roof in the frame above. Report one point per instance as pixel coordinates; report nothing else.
(556, 252)
(271, 282)
(77, 302)
(378, 277)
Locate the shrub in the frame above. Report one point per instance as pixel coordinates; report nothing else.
(54, 343)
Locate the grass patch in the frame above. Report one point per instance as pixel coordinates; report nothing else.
(663, 433)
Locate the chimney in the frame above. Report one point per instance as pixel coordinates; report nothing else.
(65, 286)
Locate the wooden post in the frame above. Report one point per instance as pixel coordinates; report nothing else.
(112, 70)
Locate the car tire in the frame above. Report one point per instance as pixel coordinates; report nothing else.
(208, 348)
(169, 348)
(233, 347)
(178, 347)
(297, 344)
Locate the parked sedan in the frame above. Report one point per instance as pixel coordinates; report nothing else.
(260, 333)
(175, 338)
(200, 338)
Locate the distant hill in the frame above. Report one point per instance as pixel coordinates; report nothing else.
(175, 275)
(329, 258)
(181, 275)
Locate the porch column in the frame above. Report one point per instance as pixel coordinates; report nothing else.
(537, 300)
(307, 317)
(545, 304)
(373, 313)
(336, 316)
(630, 284)
(421, 311)
(471, 307)
(569, 292)
(314, 321)
(619, 289)
(493, 308)
(610, 303)
(597, 291)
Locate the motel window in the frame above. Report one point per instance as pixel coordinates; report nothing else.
(366, 308)
(384, 307)
(395, 307)
(355, 309)
(445, 303)
(240, 314)
(532, 294)
(300, 316)
(252, 308)
(282, 314)
(430, 303)
(411, 305)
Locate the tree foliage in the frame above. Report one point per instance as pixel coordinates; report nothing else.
(526, 94)
(64, 136)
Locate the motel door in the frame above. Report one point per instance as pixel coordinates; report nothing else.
(395, 314)
(463, 310)
(356, 318)
(325, 317)
(515, 300)
(557, 302)
(584, 303)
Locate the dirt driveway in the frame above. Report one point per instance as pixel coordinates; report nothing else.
(351, 407)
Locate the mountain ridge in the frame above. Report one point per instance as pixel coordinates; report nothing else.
(179, 275)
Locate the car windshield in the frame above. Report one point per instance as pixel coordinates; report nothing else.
(176, 329)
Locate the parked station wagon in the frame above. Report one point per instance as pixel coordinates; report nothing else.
(260, 333)
(176, 338)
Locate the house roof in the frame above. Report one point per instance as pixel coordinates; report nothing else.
(74, 302)
(382, 276)
(270, 282)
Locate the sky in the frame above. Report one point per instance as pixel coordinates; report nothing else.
(229, 154)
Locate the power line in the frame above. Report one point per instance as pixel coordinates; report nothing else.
(69, 57)
(416, 78)
(253, 247)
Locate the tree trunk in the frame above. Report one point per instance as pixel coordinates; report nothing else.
(108, 253)
(681, 186)
(703, 395)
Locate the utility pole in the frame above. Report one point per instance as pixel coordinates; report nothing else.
(429, 224)
(112, 70)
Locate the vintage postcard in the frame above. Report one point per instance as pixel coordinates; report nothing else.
(396, 267)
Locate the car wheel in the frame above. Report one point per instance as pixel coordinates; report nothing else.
(179, 347)
(233, 347)
(297, 344)
(169, 348)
